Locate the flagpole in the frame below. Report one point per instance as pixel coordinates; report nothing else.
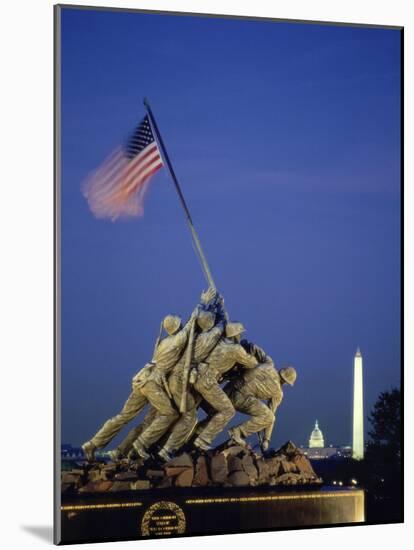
(166, 158)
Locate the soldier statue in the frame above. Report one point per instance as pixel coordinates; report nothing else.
(211, 325)
(250, 389)
(227, 353)
(149, 385)
(188, 368)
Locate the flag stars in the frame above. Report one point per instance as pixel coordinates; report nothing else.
(141, 138)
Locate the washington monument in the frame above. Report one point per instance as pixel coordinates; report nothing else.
(358, 418)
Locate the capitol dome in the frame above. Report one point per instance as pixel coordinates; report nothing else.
(316, 439)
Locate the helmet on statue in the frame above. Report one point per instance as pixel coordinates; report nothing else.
(206, 320)
(288, 375)
(171, 323)
(234, 329)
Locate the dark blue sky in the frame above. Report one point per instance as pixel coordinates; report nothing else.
(286, 138)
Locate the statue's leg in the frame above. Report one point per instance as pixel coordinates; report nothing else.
(260, 415)
(182, 429)
(132, 435)
(216, 398)
(175, 384)
(165, 415)
(133, 406)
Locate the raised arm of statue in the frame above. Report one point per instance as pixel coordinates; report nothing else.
(245, 359)
(208, 296)
(182, 336)
(221, 310)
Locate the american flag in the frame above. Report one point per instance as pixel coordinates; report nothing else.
(117, 188)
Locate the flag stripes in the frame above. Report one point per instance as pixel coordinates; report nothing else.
(117, 188)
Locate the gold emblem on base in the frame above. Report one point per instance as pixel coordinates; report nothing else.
(163, 519)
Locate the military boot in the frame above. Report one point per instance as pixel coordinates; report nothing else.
(236, 436)
(201, 444)
(115, 455)
(89, 451)
(164, 454)
(132, 455)
(140, 449)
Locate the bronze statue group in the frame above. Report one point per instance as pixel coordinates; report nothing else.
(203, 364)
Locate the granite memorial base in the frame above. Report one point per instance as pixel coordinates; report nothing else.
(171, 513)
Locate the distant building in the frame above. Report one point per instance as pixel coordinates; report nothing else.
(316, 440)
(325, 452)
(317, 449)
(345, 451)
(67, 452)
